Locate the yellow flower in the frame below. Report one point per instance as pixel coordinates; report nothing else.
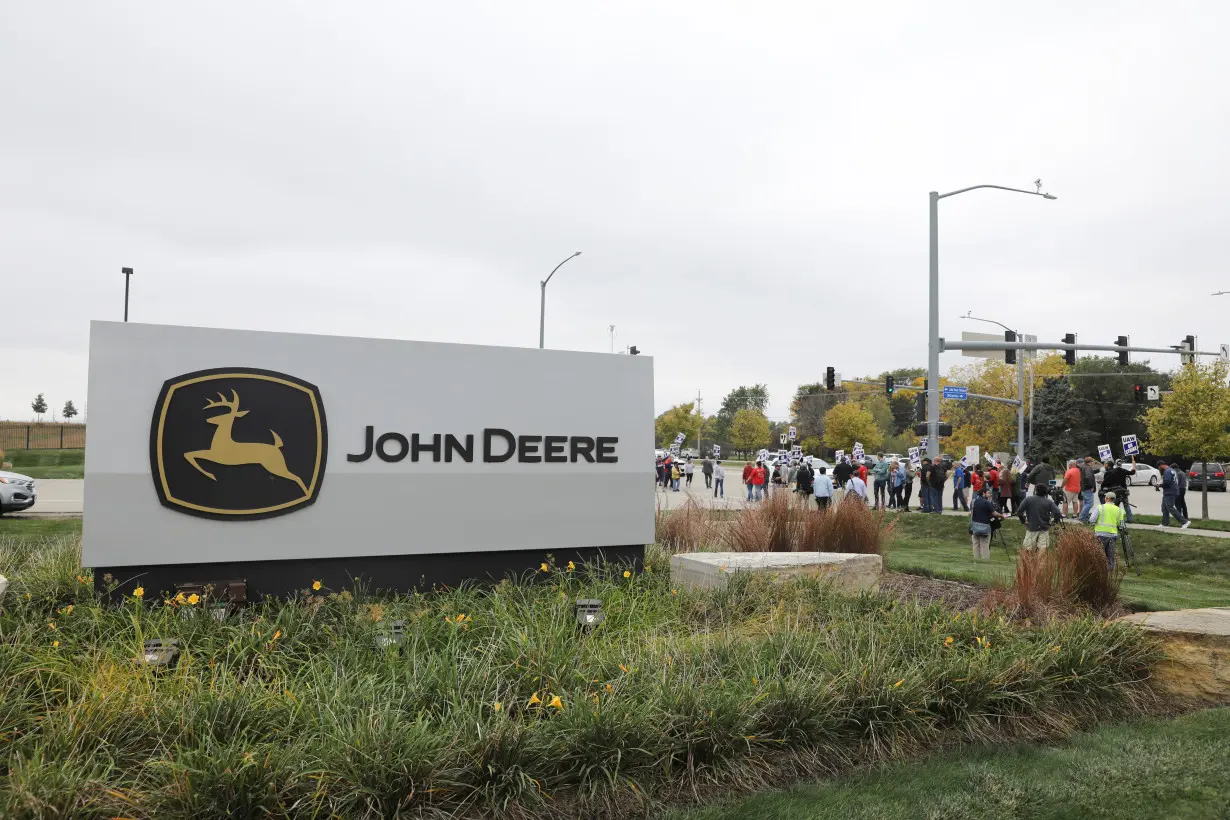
(51, 624)
(627, 574)
(534, 699)
(674, 592)
(81, 579)
(623, 669)
(462, 618)
(179, 598)
(608, 687)
(543, 567)
(1055, 648)
(948, 641)
(571, 566)
(276, 635)
(68, 610)
(316, 586)
(194, 598)
(55, 643)
(897, 685)
(499, 707)
(138, 593)
(557, 703)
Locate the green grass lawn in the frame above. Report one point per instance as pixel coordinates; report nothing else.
(26, 529)
(1177, 571)
(1197, 523)
(1149, 769)
(47, 463)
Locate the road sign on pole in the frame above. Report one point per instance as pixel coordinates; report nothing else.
(1225, 353)
(1153, 392)
(955, 392)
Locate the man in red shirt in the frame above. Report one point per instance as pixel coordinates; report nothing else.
(758, 480)
(1072, 489)
(862, 471)
(747, 478)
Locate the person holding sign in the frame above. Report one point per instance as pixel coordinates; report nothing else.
(1115, 480)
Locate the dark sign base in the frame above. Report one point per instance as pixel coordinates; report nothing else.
(387, 573)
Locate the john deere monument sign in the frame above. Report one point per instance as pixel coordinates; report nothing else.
(281, 459)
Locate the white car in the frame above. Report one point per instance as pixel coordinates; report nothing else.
(1147, 475)
(16, 492)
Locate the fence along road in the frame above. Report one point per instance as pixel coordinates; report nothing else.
(46, 435)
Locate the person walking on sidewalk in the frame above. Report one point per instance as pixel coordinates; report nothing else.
(924, 486)
(939, 475)
(688, 469)
(823, 489)
(958, 487)
(896, 483)
(706, 467)
(1180, 503)
(1037, 513)
(760, 480)
(907, 486)
(1170, 494)
(1089, 485)
(719, 480)
(1071, 490)
(747, 478)
(676, 474)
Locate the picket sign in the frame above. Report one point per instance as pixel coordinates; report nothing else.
(1131, 447)
(763, 455)
(1018, 464)
(807, 460)
(858, 451)
(679, 439)
(1104, 453)
(971, 455)
(792, 434)
(717, 451)
(914, 459)
(841, 454)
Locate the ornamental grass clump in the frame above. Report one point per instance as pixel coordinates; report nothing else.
(1071, 577)
(688, 528)
(498, 705)
(789, 523)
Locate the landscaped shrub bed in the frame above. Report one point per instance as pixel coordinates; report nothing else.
(497, 703)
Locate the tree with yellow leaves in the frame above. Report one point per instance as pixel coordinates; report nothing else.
(1194, 420)
(847, 423)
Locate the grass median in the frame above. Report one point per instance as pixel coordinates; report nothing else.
(1147, 770)
(1177, 571)
(41, 464)
(497, 704)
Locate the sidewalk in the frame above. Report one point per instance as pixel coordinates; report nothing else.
(1147, 527)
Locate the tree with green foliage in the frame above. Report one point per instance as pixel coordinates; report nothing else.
(69, 410)
(1107, 404)
(807, 410)
(678, 419)
(39, 406)
(1059, 433)
(902, 405)
(743, 397)
(850, 422)
(749, 429)
(1194, 419)
(812, 446)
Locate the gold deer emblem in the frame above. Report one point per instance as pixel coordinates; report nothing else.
(225, 450)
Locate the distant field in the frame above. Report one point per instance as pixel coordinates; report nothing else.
(48, 463)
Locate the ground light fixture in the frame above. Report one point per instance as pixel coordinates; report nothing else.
(589, 613)
(160, 653)
(394, 637)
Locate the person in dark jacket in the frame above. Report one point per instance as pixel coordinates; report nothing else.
(1116, 478)
(706, 467)
(924, 485)
(938, 477)
(1181, 503)
(1043, 474)
(981, 513)
(1170, 493)
(1037, 513)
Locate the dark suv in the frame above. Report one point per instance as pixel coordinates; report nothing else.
(1217, 476)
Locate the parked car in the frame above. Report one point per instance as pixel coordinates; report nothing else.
(17, 492)
(1216, 475)
(1144, 475)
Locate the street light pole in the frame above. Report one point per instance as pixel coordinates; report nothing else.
(127, 278)
(542, 310)
(933, 329)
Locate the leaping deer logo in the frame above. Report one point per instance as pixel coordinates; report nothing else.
(225, 450)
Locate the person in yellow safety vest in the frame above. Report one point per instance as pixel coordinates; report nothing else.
(1106, 519)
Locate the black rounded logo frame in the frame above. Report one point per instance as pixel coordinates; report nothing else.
(161, 427)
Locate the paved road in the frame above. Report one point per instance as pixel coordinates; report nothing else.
(64, 496)
(1144, 499)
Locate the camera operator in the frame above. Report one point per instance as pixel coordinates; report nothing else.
(1115, 479)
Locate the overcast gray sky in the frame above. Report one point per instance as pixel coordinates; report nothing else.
(748, 181)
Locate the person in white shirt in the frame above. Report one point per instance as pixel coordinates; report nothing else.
(857, 486)
(823, 488)
(719, 480)
(687, 471)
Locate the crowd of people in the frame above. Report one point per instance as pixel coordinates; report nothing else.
(1034, 493)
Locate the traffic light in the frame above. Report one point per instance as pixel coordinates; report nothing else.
(1069, 356)
(1138, 392)
(1190, 356)
(1010, 355)
(920, 403)
(888, 386)
(830, 379)
(1122, 341)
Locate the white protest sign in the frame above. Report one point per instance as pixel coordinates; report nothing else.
(679, 439)
(1104, 453)
(792, 434)
(841, 454)
(914, 459)
(1130, 446)
(972, 455)
(763, 455)
(858, 451)
(922, 443)
(717, 451)
(807, 460)
(1018, 464)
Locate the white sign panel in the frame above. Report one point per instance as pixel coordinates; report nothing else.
(840, 456)
(858, 451)
(679, 439)
(763, 455)
(1104, 453)
(914, 458)
(1018, 464)
(1153, 392)
(1224, 353)
(1130, 446)
(717, 451)
(972, 454)
(214, 446)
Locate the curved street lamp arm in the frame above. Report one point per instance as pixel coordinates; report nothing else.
(990, 321)
(998, 187)
(557, 267)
